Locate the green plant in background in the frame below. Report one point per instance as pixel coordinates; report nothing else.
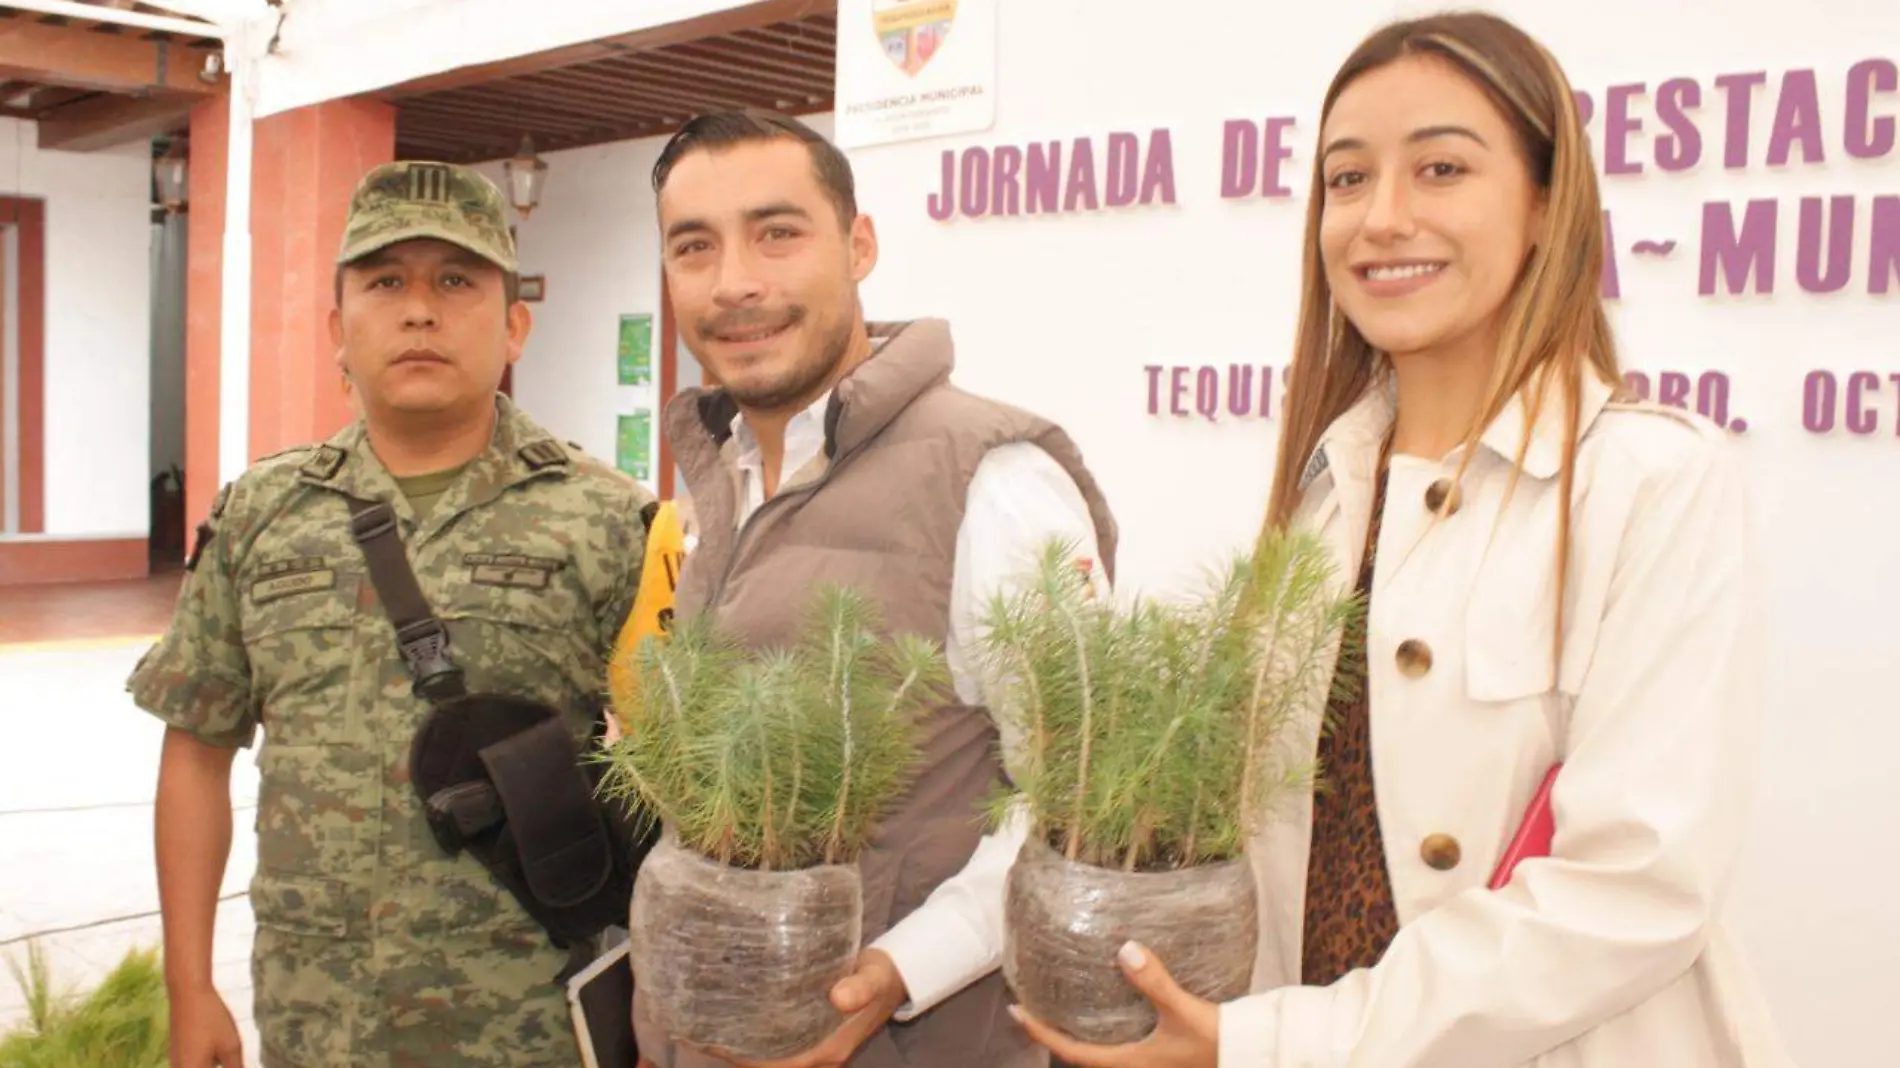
(776, 759)
(1156, 737)
(121, 1023)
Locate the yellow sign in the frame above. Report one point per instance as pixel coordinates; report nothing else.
(652, 614)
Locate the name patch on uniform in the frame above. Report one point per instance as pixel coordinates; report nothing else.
(511, 570)
(284, 578)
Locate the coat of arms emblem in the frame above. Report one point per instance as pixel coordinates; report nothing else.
(910, 32)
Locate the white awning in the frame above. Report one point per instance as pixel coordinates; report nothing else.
(329, 49)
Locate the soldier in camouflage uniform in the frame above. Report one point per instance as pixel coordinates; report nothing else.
(374, 948)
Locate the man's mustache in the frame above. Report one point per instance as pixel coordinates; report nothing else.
(747, 320)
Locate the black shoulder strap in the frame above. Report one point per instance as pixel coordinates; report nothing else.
(423, 639)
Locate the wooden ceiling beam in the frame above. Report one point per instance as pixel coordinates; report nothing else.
(113, 63)
(686, 101)
(713, 24)
(476, 112)
(751, 85)
(736, 57)
(475, 155)
(105, 121)
(765, 43)
(546, 100)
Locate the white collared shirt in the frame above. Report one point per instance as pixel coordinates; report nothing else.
(1019, 498)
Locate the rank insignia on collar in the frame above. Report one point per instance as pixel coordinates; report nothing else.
(1315, 467)
(545, 452)
(324, 463)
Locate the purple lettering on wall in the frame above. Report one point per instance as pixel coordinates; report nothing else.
(1251, 161)
(1612, 286)
(1736, 255)
(1869, 137)
(1157, 177)
(1586, 107)
(1858, 406)
(1124, 161)
(1797, 119)
(1207, 393)
(1618, 126)
(1239, 160)
(1883, 259)
(1861, 418)
(1205, 383)
(1817, 402)
(1680, 148)
(975, 200)
(1740, 89)
(1838, 236)
(1081, 177)
(1240, 388)
(1673, 389)
(1710, 390)
(1045, 177)
(1711, 400)
(943, 203)
(1006, 196)
(1277, 152)
(1032, 179)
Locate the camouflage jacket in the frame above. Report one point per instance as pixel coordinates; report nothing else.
(375, 949)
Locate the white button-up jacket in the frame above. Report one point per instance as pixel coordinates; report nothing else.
(1610, 953)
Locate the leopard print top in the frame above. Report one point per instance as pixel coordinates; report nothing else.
(1349, 912)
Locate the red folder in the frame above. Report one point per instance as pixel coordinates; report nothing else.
(1533, 834)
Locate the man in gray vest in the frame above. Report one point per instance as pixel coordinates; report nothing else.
(839, 448)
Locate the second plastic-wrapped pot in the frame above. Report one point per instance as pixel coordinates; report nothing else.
(740, 961)
(1066, 920)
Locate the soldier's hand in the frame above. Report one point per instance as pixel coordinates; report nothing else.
(203, 1033)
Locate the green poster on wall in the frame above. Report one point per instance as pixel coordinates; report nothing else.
(636, 350)
(634, 446)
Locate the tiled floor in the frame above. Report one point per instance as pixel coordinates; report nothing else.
(77, 774)
(87, 611)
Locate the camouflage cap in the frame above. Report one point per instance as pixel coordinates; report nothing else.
(409, 200)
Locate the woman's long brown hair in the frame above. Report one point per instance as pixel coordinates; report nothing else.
(1554, 328)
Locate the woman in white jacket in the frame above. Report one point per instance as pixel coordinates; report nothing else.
(1555, 574)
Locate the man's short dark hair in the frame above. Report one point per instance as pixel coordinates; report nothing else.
(719, 129)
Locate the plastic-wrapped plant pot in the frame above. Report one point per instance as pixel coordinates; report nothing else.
(738, 961)
(1066, 920)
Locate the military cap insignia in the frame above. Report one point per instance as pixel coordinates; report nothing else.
(428, 182)
(323, 465)
(543, 453)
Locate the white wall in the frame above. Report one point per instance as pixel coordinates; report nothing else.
(1063, 314)
(168, 275)
(568, 375)
(333, 48)
(98, 328)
